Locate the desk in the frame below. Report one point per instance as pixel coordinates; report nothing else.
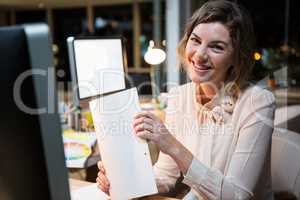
(77, 184)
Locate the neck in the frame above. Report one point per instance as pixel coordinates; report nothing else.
(205, 92)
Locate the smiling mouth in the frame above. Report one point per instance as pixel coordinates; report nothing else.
(201, 67)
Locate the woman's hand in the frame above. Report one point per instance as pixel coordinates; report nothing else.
(149, 127)
(103, 183)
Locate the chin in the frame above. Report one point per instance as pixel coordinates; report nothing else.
(200, 78)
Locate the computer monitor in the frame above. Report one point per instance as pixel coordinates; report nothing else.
(31, 149)
(99, 63)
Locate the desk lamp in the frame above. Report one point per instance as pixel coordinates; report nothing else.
(154, 56)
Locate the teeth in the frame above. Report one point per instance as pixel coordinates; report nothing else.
(202, 67)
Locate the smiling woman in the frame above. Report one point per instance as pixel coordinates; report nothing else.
(218, 128)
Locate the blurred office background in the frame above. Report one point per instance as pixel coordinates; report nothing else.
(277, 29)
(276, 23)
(139, 21)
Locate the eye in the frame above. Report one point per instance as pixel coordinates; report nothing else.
(194, 39)
(217, 48)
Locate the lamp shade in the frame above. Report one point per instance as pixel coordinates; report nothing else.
(154, 56)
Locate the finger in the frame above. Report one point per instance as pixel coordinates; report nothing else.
(102, 186)
(103, 179)
(103, 189)
(99, 164)
(101, 167)
(145, 114)
(153, 116)
(142, 127)
(142, 120)
(146, 135)
(100, 182)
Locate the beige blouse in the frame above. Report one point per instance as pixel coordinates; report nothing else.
(231, 146)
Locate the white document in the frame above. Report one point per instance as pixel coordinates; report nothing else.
(126, 158)
(91, 192)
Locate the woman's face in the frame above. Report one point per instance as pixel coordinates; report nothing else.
(209, 53)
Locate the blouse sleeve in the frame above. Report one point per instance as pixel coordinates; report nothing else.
(166, 173)
(248, 159)
(166, 170)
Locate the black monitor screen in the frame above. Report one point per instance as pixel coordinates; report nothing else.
(20, 143)
(24, 169)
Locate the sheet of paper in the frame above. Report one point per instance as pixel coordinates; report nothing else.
(126, 158)
(91, 192)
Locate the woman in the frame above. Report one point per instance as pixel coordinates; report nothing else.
(218, 128)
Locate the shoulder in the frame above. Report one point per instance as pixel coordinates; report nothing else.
(256, 96)
(255, 102)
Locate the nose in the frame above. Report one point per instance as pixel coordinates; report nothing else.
(201, 53)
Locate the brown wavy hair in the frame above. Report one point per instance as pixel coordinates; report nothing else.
(238, 22)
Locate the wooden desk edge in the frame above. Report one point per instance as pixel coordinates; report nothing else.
(77, 184)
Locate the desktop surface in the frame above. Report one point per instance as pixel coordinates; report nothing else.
(78, 184)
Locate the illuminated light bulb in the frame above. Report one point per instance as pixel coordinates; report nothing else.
(257, 56)
(154, 56)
